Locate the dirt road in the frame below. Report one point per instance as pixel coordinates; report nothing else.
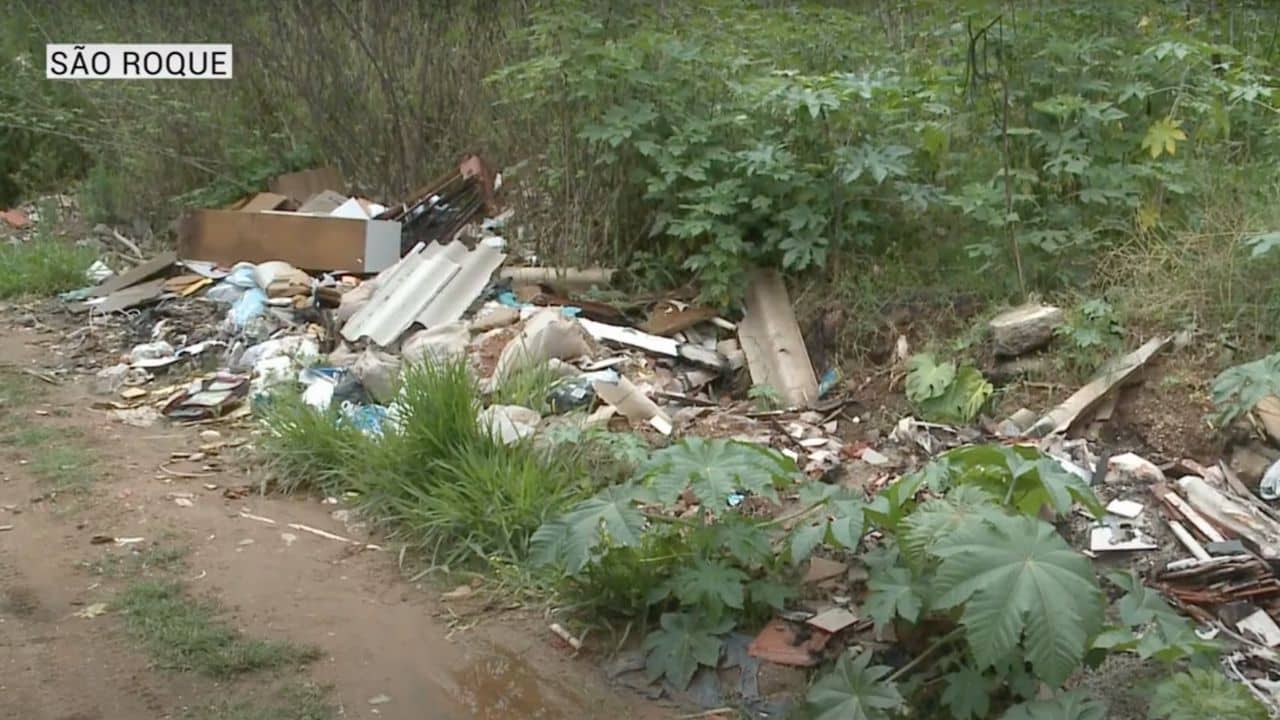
(69, 473)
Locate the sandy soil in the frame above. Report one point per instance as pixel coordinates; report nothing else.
(380, 635)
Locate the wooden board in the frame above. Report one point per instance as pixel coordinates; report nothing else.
(770, 337)
(306, 242)
(137, 274)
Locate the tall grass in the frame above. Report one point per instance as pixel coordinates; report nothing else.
(435, 479)
(43, 265)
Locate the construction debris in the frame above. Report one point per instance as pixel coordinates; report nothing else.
(770, 337)
(1108, 379)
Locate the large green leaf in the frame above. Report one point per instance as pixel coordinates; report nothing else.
(967, 694)
(938, 518)
(714, 470)
(1021, 474)
(854, 691)
(963, 399)
(1162, 632)
(711, 585)
(892, 593)
(682, 642)
(571, 539)
(838, 523)
(770, 592)
(745, 542)
(1015, 576)
(1238, 389)
(927, 378)
(1074, 705)
(1204, 695)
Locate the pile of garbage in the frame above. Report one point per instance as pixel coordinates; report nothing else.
(301, 284)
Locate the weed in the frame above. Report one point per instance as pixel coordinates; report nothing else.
(15, 391)
(486, 499)
(305, 449)
(44, 265)
(435, 477)
(30, 436)
(68, 468)
(944, 392)
(528, 386)
(1092, 333)
(186, 635)
(154, 558)
(452, 490)
(293, 702)
(765, 397)
(1237, 390)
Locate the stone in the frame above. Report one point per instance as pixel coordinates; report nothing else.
(1023, 329)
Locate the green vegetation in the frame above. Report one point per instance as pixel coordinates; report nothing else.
(155, 558)
(436, 478)
(924, 156)
(67, 465)
(185, 634)
(527, 386)
(292, 702)
(943, 392)
(1237, 390)
(45, 264)
(1092, 333)
(997, 598)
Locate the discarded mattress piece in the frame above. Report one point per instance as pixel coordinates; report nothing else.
(770, 337)
(430, 287)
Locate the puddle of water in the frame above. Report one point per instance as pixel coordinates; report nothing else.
(501, 686)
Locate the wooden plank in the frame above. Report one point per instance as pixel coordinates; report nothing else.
(137, 274)
(304, 241)
(1111, 377)
(770, 337)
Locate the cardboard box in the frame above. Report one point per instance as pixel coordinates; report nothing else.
(308, 242)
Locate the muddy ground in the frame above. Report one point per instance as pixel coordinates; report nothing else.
(380, 637)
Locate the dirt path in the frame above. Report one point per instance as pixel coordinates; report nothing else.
(380, 637)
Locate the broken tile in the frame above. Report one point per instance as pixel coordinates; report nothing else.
(1125, 508)
(1261, 626)
(822, 569)
(833, 620)
(779, 642)
(1118, 539)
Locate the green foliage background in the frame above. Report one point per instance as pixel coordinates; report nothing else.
(877, 150)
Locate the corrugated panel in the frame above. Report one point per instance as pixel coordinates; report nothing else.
(431, 287)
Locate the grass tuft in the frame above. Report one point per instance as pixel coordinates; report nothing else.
(43, 266)
(68, 468)
(436, 479)
(185, 634)
(153, 558)
(527, 386)
(294, 702)
(305, 449)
